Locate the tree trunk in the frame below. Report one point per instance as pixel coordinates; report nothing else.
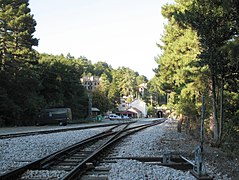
(187, 122)
(221, 110)
(180, 121)
(214, 107)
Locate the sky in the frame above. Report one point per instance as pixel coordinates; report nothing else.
(118, 32)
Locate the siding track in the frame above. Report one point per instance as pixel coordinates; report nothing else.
(56, 130)
(78, 159)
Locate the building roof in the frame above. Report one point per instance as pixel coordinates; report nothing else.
(95, 109)
(135, 110)
(127, 112)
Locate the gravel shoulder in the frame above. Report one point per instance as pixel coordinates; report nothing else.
(164, 139)
(218, 164)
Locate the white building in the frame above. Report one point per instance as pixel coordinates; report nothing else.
(140, 105)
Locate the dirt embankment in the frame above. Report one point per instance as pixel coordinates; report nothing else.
(218, 163)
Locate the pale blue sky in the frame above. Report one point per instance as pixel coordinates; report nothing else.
(119, 32)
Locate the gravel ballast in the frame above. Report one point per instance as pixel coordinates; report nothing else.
(144, 144)
(157, 141)
(131, 170)
(19, 151)
(151, 142)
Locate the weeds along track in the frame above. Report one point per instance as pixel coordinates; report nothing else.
(72, 162)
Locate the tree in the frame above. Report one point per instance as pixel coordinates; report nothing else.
(114, 95)
(103, 68)
(151, 111)
(214, 28)
(125, 79)
(19, 81)
(104, 84)
(230, 47)
(20, 86)
(213, 68)
(60, 79)
(16, 34)
(140, 79)
(153, 91)
(176, 73)
(88, 67)
(100, 100)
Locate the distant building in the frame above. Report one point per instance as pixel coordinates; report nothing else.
(95, 111)
(136, 108)
(139, 105)
(130, 113)
(123, 106)
(137, 113)
(90, 82)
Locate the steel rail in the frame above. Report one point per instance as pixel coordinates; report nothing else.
(14, 174)
(83, 166)
(49, 161)
(31, 133)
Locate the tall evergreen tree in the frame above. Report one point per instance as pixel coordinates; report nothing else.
(125, 78)
(17, 28)
(16, 41)
(176, 72)
(214, 29)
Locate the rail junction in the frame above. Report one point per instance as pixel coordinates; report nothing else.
(92, 157)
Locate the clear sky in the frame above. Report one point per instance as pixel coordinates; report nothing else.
(119, 32)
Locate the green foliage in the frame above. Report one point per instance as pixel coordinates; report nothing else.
(26, 89)
(177, 76)
(217, 30)
(61, 84)
(188, 103)
(20, 85)
(88, 68)
(141, 79)
(104, 83)
(103, 68)
(125, 79)
(231, 123)
(200, 57)
(114, 95)
(100, 100)
(151, 111)
(17, 28)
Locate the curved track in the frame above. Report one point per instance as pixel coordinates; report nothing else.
(74, 161)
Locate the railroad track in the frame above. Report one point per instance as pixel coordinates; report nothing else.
(75, 160)
(32, 133)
